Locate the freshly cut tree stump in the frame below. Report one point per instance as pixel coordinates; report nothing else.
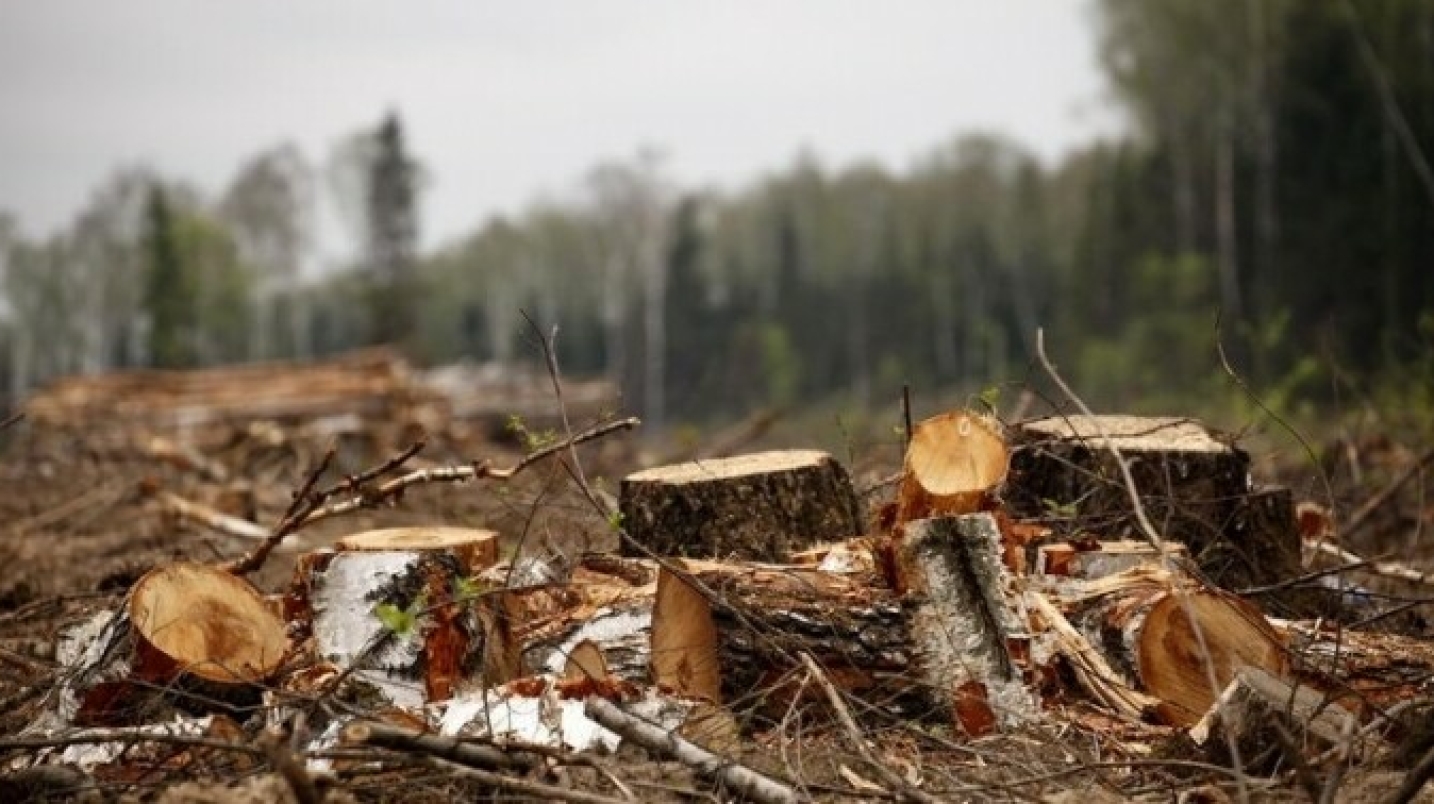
(475, 549)
(185, 626)
(1176, 640)
(741, 644)
(758, 507)
(968, 624)
(398, 604)
(953, 464)
(1191, 483)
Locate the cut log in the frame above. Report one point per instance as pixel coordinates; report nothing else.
(758, 507)
(1190, 481)
(371, 381)
(1173, 638)
(397, 604)
(971, 634)
(185, 627)
(725, 632)
(1368, 672)
(1255, 703)
(953, 464)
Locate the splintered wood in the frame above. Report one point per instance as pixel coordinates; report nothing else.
(758, 507)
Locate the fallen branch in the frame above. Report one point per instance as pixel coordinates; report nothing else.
(739, 779)
(1388, 569)
(210, 518)
(463, 752)
(461, 474)
(311, 506)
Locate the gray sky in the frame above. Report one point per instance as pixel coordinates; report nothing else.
(508, 101)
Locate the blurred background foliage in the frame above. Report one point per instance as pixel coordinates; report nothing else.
(1275, 179)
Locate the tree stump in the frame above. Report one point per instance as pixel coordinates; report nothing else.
(952, 465)
(399, 604)
(758, 507)
(1191, 483)
(185, 628)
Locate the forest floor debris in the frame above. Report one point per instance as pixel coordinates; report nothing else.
(996, 628)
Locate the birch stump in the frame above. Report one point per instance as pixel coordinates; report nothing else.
(759, 507)
(398, 605)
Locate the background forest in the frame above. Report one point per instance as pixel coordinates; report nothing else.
(1276, 173)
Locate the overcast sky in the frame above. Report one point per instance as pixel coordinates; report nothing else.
(506, 101)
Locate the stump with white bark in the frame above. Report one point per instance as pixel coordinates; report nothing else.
(967, 622)
(759, 507)
(399, 606)
(185, 628)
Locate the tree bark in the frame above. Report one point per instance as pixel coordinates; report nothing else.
(759, 507)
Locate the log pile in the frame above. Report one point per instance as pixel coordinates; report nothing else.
(369, 383)
(1005, 589)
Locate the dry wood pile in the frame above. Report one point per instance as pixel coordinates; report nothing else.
(1011, 590)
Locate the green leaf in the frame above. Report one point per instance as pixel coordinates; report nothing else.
(394, 618)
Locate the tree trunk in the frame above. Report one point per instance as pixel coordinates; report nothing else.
(1225, 227)
(734, 634)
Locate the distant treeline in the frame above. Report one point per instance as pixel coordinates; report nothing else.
(1277, 174)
